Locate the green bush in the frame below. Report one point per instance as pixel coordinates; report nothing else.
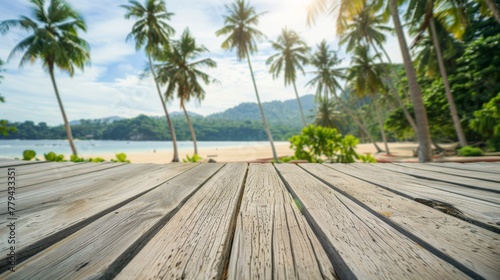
(29, 154)
(194, 158)
(469, 151)
(317, 143)
(75, 158)
(121, 157)
(51, 156)
(486, 122)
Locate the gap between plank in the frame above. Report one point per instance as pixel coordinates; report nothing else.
(338, 264)
(471, 220)
(122, 261)
(233, 226)
(56, 237)
(469, 272)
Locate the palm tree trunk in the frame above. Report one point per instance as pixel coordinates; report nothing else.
(381, 126)
(169, 121)
(300, 105)
(266, 127)
(449, 96)
(193, 135)
(360, 125)
(407, 114)
(59, 101)
(424, 139)
(494, 9)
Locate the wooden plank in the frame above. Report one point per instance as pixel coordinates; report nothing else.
(474, 248)
(272, 239)
(460, 173)
(56, 173)
(479, 212)
(466, 166)
(93, 251)
(49, 214)
(33, 168)
(196, 242)
(362, 245)
(468, 182)
(15, 162)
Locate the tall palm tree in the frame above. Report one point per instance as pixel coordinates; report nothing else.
(490, 7)
(366, 79)
(368, 28)
(240, 24)
(346, 9)
(292, 54)
(327, 115)
(326, 80)
(54, 40)
(152, 31)
(182, 75)
(453, 19)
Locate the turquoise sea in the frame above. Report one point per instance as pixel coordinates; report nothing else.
(15, 148)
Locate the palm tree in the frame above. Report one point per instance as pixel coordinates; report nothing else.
(240, 24)
(453, 20)
(369, 29)
(54, 40)
(152, 31)
(182, 75)
(366, 79)
(423, 134)
(292, 54)
(489, 6)
(325, 80)
(327, 115)
(346, 10)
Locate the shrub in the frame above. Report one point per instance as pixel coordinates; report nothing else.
(29, 154)
(194, 158)
(469, 151)
(51, 156)
(121, 157)
(75, 158)
(315, 143)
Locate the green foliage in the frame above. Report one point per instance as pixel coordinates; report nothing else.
(194, 158)
(29, 154)
(121, 157)
(317, 143)
(75, 158)
(96, 160)
(51, 156)
(469, 151)
(486, 122)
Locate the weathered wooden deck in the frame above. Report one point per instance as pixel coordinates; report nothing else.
(252, 221)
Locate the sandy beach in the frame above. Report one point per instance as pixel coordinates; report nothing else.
(249, 153)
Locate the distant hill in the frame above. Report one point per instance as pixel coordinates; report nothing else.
(103, 120)
(276, 112)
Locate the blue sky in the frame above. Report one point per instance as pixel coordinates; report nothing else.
(111, 85)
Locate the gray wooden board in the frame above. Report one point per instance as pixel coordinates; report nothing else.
(473, 247)
(195, 243)
(51, 188)
(89, 252)
(272, 239)
(475, 210)
(467, 166)
(363, 245)
(448, 187)
(47, 213)
(55, 173)
(461, 173)
(35, 168)
(15, 163)
(469, 182)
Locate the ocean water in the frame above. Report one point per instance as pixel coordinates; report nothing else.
(15, 148)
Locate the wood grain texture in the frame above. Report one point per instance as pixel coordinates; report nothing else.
(47, 214)
(272, 238)
(468, 166)
(57, 173)
(460, 173)
(473, 247)
(15, 162)
(468, 182)
(475, 210)
(34, 168)
(89, 252)
(195, 243)
(364, 246)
